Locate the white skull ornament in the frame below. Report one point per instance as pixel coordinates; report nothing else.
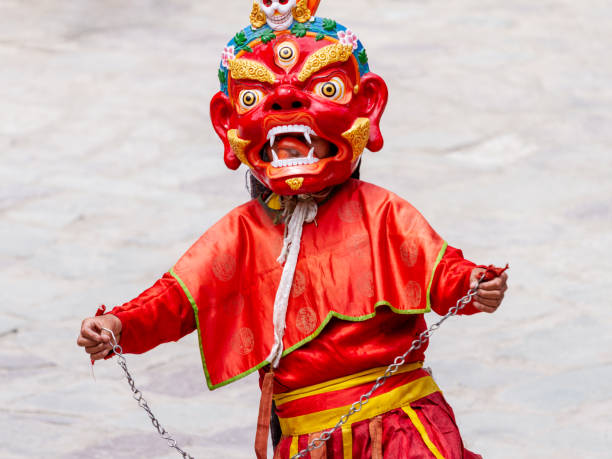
(278, 13)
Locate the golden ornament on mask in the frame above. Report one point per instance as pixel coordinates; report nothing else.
(358, 136)
(238, 146)
(323, 57)
(301, 12)
(257, 17)
(246, 69)
(295, 183)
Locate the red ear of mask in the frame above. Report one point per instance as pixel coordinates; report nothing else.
(375, 143)
(374, 94)
(221, 117)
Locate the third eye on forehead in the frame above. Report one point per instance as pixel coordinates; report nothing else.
(286, 54)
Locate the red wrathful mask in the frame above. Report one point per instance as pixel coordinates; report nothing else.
(298, 108)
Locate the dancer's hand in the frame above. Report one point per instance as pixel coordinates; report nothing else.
(490, 293)
(97, 343)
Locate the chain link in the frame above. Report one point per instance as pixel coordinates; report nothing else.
(325, 436)
(391, 369)
(140, 399)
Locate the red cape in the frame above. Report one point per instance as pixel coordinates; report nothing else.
(367, 248)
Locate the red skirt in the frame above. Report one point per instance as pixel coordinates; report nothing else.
(407, 417)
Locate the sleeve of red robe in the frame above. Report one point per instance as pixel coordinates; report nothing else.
(160, 314)
(451, 281)
(163, 313)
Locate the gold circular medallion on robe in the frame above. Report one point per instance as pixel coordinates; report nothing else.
(306, 320)
(244, 341)
(299, 284)
(409, 251)
(224, 266)
(413, 295)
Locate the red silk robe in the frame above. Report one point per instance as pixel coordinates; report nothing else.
(369, 267)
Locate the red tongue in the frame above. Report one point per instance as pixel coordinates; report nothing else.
(290, 147)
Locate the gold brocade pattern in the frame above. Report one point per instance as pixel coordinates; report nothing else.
(358, 135)
(295, 183)
(257, 17)
(238, 146)
(324, 57)
(246, 69)
(301, 13)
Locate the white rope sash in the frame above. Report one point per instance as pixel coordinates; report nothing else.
(304, 211)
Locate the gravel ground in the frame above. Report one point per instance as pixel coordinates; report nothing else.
(498, 130)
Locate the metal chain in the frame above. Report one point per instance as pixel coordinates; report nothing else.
(325, 436)
(397, 362)
(140, 399)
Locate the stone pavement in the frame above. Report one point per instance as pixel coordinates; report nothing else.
(498, 130)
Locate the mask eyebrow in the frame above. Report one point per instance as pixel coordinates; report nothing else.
(324, 57)
(246, 69)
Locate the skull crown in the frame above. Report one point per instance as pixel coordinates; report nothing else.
(279, 14)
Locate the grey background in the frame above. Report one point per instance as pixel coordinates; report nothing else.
(497, 129)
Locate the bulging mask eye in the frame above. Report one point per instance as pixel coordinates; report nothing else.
(249, 98)
(332, 89)
(286, 54)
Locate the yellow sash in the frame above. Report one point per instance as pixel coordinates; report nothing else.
(378, 404)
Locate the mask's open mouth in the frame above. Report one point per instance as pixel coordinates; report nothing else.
(295, 145)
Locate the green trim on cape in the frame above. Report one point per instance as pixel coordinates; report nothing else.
(194, 306)
(433, 271)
